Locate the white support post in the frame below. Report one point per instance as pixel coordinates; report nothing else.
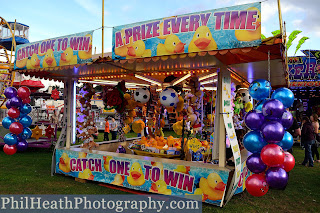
(219, 146)
(71, 113)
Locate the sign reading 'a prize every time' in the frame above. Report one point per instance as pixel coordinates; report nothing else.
(225, 28)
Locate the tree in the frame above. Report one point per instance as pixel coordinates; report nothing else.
(293, 35)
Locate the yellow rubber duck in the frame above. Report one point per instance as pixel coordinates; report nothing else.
(160, 187)
(67, 57)
(202, 40)
(82, 155)
(106, 162)
(118, 180)
(123, 50)
(49, 60)
(213, 186)
(21, 63)
(160, 166)
(64, 163)
(136, 176)
(172, 45)
(250, 35)
(86, 174)
(182, 169)
(86, 54)
(33, 62)
(138, 50)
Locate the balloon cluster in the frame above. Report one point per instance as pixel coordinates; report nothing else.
(18, 120)
(268, 138)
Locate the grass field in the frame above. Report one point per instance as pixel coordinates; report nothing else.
(29, 173)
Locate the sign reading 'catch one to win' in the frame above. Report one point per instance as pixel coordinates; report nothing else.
(225, 28)
(61, 51)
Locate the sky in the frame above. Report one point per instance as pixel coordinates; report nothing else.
(48, 19)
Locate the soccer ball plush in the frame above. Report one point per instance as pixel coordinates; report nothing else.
(169, 97)
(244, 94)
(142, 95)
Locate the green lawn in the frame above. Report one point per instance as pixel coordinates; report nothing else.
(29, 173)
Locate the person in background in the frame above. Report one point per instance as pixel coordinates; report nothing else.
(295, 131)
(307, 137)
(44, 109)
(113, 128)
(55, 117)
(106, 130)
(315, 124)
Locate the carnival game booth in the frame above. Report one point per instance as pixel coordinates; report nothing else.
(144, 61)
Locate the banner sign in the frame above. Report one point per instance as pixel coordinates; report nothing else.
(225, 28)
(228, 122)
(145, 175)
(60, 51)
(305, 70)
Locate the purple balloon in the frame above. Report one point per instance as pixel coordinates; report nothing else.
(273, 109)
(254, 120)
(8, 104)
(286, 120)
(10, 92)
(277, 177)
(255, 164)
(272, 131)
(16, 102)
(22, 145)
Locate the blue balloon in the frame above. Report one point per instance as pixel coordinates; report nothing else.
(284, 95)
(254, 142)
(7, 121)
(286, 142)
(259, 105)
(260, 89)
(22, 115)
(26, 121)
(25, 109)
(26, 133)
(10, 139)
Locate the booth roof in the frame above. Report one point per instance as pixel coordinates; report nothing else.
(250, 63)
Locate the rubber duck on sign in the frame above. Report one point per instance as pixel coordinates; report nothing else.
(64, 163)
(182, 169)
(136, 176)
(251, 35)
(33, 62)
(172, 45)
(21, 63)
(138, 50)
(82, 155)
(86, 54)
(67, 57)
(160, 166)
(106, 162)
(213, 186)
(123, 50)
(160, 187)
(49, 60)
(202, 40)
(118, 180)
(86, 174)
